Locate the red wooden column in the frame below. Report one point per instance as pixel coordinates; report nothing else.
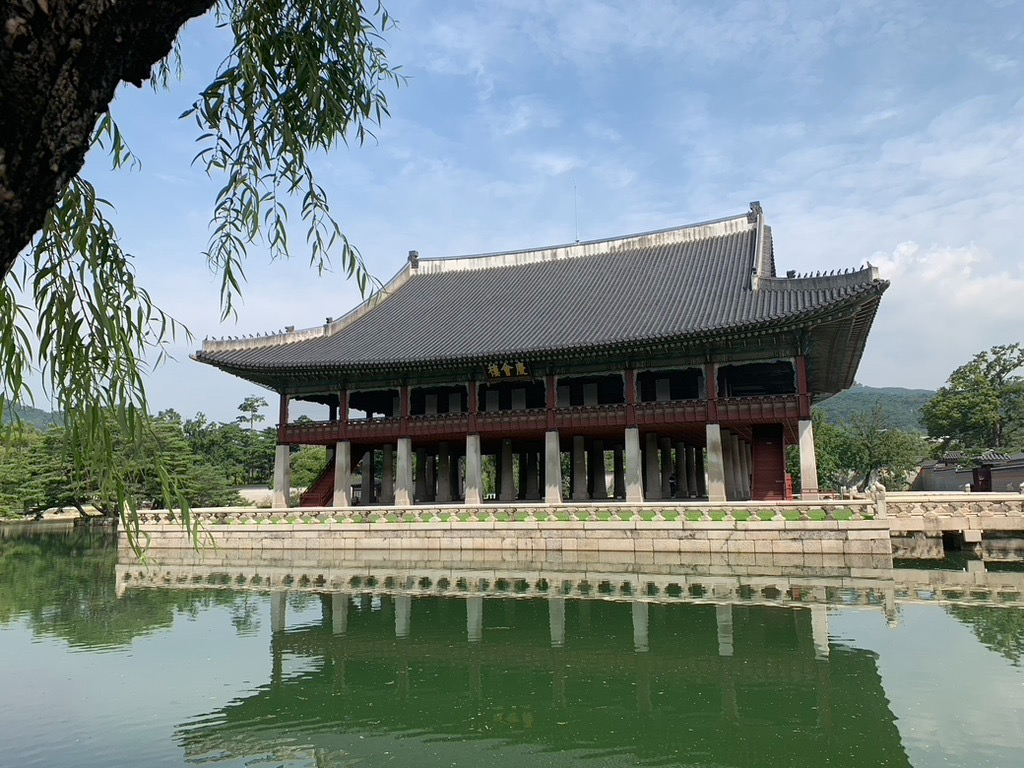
(711, 385)
(282, 416)
(552, 400)
(343, 414)
(803, 396)
(630, 377)
(406, 407)
(473, 404)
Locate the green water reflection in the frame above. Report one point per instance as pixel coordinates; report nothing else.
(352, 678)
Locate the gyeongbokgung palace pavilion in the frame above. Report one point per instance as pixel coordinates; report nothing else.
(678, 359)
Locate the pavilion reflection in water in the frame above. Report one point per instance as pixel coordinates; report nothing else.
(627, 680)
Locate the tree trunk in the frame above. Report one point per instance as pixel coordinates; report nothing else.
(60, 63)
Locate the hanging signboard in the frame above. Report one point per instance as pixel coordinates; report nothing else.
(507, 370)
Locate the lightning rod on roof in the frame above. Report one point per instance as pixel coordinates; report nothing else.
(576, 209)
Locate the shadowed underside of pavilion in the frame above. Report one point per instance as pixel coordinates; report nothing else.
(670, 364)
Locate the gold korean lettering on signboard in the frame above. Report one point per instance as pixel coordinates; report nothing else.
(507, 369)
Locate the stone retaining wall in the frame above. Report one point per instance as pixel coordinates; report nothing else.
(779, 538)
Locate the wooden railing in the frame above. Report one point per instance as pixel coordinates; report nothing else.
(769, 409)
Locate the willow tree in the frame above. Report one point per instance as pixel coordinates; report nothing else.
(300, 76)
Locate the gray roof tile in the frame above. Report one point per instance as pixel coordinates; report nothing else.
(675, 284)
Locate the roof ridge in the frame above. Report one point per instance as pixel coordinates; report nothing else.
(667, 236)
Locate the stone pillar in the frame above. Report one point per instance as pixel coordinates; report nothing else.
(746, 455)
(665, 446)
(403, 615)
(521, 476)
(431, 478)
(733, 463)
(342, 474)
(819, 630)
(339, 613)
(556, 620)
(724, 615)
(808, 461)
(281, 497)
(595, 465)
(652, 486)
(444, 474)
(701, 472)
(474, 616)
(532, 476)
(641, 622)
(715, 464)
(618, 474)
(579, 469)
(682, 485)
(634, 484)
(474, 476)
(387, 474)
(455, 481)
(552, 468)
(366, 473)
(278, 604)
(421, 475)
(403, 474)
(508, 485)
(691, 471)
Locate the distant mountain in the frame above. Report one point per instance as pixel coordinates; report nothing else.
(34, 416)
(903, 406)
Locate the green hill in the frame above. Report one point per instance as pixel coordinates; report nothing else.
(34, 416)
(903, 406)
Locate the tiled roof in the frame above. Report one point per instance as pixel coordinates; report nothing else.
(678, 284)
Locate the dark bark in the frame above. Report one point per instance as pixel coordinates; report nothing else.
(60, 63)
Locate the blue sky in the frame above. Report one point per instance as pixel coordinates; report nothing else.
(889, 132)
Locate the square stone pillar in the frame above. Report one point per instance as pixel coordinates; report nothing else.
(552, 468)
(723, 614)
(342, 474)
(633, 481)
(508, 483)
(387, 474)
(431, 478)
(456, 477)
(595, 464)
(665, 446)
(808, 460)
(692, 477)
(652, 488)
(715, 463)
(281, 497)
(403, 473)
(421, 475)
(444, 474)
(618, 474)
(579, 469)
(366, 472)
(532, 476)
(474, 475)
(745, 455)
(819, 630)
(682, 483)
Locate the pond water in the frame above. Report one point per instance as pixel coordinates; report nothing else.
(235, 675)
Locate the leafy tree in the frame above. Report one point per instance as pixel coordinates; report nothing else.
(868, 449)
(300, 76)
(873, 450)
(250, 409)
(307, 464)
(982, 404)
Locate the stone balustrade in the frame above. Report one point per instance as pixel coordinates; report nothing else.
(965, 512)
(679, 512)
